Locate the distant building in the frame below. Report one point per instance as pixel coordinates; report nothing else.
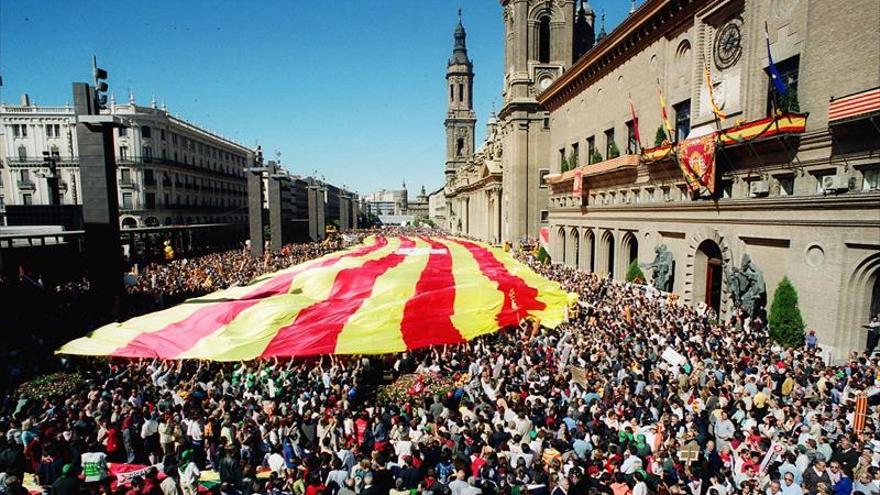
(395, 202)
(419, 206)
(437, 207)
(386, 202)
(169, 172)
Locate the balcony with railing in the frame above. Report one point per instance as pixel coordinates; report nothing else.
(135, 161)
(25, 185)
(127, 183)
(39, 161)
(68, 110)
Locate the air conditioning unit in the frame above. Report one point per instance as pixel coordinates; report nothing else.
(834, 183)
(759, 188)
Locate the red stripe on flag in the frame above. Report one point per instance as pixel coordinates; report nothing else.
(519, 297)
(427, 315)
(316, 328)
(181, 336)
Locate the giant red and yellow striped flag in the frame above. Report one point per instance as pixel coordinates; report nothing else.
(386, 295)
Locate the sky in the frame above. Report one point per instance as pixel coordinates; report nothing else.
(354, 90)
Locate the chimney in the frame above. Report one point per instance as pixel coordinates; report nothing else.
(25, 100)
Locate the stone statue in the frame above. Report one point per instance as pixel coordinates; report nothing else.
(746, 285)
(663, 268)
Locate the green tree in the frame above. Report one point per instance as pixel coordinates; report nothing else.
(660, 138)
(786, 323)
(634, 273)
(596, 157)
(569, 163)
(789, 102)
(613, 151)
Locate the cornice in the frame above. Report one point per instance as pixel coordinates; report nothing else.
(647, 24)
(848, 202)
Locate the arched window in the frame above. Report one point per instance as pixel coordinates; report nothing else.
(451, 92)
(460, 92)
(544, 40)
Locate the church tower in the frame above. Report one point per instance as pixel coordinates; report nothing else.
(541, 42)
(584, 30)
(460, 117)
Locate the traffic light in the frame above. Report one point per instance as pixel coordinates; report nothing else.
(51, 161)
(101, 87)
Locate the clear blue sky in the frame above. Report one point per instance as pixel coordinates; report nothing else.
(353, 89)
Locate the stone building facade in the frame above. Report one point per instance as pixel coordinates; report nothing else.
(170, 171)
(797, 175)
(386, 202)
(498, 193)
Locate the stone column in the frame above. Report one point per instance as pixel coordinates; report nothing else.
(255, 204)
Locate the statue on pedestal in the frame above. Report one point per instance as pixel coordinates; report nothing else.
(746, 285)
(662, 268)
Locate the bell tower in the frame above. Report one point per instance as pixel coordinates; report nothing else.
(540, 44)
(460, 117)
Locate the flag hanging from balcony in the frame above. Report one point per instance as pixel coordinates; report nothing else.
(577, 184)
(696, 158)
(778, 84)
(386, 295)
(635, 121)
(669, 134)
(710, 87)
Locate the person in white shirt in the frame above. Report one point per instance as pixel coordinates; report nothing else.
(640, 487)
(459, 486)
(189, 474)
(632, 463)
(789, 487)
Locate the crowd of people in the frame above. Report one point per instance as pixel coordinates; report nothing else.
(635, 394)
(52, 313)
(191, 277)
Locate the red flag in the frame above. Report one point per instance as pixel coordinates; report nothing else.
(635, 119)
(861, 413)
(696, 158)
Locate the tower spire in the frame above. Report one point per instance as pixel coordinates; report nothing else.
(602, 34)
(584, 29)
(459, 48)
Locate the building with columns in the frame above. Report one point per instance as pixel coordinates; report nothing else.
(170, 171)
(792, 188)
(497, 193)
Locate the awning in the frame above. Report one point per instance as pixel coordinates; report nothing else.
(859, 105)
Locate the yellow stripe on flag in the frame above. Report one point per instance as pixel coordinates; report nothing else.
(375, 327)
(110, 337)
(477, 298)
(550, 293)
(251, 331)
